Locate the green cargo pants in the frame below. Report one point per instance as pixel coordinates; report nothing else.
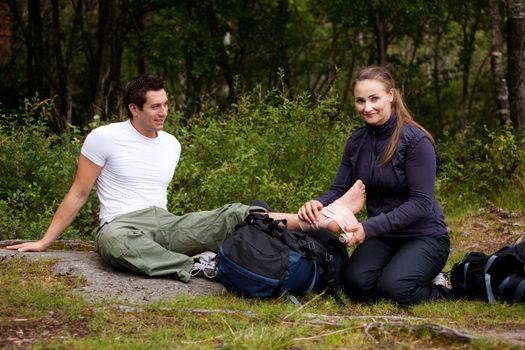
(154, 242)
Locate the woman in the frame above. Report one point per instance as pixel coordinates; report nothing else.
(403, 244)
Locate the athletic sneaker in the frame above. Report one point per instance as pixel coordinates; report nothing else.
(441, 280)
(205, 265)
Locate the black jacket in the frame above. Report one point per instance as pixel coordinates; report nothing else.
(400, 197)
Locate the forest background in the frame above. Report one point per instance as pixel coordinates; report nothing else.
(260, 94)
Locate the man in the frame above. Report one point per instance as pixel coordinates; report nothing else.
(132, 163)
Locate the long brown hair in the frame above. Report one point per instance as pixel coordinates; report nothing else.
(399, 107)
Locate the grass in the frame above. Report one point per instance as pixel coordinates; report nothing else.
(39, 310)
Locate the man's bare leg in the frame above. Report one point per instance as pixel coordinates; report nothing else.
(334, 217)
(291, 219)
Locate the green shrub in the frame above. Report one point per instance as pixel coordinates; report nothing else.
(477, 168)
(281, 150)
(36, 170)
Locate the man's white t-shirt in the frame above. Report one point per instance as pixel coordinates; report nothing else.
(136, 170)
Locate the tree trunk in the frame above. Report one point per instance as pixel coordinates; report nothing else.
(348, 82)
(36, 70)
(64, 56)
(516, 54)
(496, 62)
(62, 72)
(282, 52)
(75, 41)
(436, 77)
(5, 35)
(192, 81)
(104, 43)
(114, 92)
(217, 32)
(479, 73)
(86, 40)
(141, 59)
(469, 46)
(35, 55)
(381, 41)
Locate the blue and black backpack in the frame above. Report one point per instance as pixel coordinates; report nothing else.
(490, 277)
(263, 259)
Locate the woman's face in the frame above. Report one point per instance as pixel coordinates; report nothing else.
(373, 102)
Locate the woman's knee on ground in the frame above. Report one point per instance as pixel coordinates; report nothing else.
(359, 285)
(394, 288)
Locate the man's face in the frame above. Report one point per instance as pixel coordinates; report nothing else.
(151, 117)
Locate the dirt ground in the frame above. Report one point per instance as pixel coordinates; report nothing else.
(488, 230)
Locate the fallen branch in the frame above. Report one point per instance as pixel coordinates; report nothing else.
(322, 335)
(366, 317)
(446, 331)
(131, 309)
(304, 305)
(401, 322)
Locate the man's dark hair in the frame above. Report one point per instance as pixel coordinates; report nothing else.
(138, 87)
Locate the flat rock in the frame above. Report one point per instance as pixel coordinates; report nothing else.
(103, 282)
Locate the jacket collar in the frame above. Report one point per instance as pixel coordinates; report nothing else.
(383, 130)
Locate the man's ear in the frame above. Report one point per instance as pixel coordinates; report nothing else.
(133, 108)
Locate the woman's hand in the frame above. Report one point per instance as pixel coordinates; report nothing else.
(354, 235)
(309, 212)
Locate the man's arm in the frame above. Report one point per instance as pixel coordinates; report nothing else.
(87, 173)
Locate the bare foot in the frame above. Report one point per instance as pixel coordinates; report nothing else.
(354, 198)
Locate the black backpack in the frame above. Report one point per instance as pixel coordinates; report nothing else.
(500, 275)
(261, 258)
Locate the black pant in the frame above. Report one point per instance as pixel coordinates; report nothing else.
(398, 269)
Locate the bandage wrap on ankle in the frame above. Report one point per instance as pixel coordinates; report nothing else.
(335, 211)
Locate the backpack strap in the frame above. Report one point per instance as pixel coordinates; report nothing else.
(489, 263)
(328, 264)
(488, 287)
(465, 271)
(312, 284)
(321, 257)
(301, 242)
(488, 284)
(265, 223)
